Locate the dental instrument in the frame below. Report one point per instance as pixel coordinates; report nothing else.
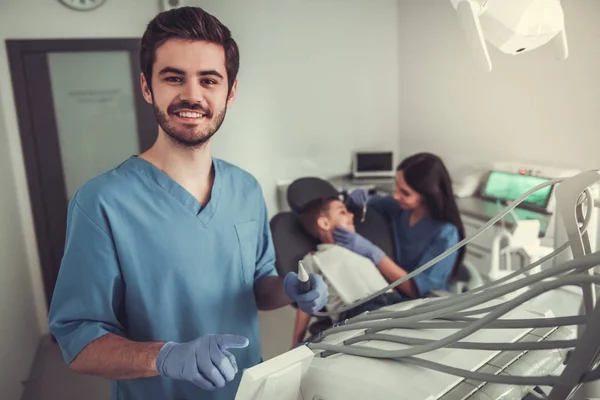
(303, 278)
(364, 212)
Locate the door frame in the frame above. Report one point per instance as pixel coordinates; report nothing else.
(40, 140)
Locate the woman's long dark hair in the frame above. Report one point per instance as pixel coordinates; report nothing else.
(427, 174)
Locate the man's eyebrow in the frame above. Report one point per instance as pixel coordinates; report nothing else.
(209, 73)
(171, 70)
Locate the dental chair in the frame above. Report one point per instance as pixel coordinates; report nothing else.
(292, 242)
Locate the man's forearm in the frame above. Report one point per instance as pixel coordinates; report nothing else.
(269, 293)
(116, 358)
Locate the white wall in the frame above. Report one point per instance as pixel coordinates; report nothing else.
(318, 79)
(529, 108)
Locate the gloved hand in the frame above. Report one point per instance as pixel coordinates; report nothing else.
(203, 361)
(309, 302)
(358, 244)
(359, 197)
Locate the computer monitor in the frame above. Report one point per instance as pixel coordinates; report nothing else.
(373, 164)
(509, 186)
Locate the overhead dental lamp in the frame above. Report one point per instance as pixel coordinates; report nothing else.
(512, 26)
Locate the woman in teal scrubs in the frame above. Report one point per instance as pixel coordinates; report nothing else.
(424, 220)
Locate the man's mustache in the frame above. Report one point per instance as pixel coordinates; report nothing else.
(184, 105)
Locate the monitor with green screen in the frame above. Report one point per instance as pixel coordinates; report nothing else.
(509, 186)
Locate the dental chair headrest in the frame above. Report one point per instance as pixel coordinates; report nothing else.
(291, 242)
(303, 190)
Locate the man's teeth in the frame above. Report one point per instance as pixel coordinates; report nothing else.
(190, 115)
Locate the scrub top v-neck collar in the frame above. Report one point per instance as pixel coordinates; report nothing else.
(178, 192)
(415, 226)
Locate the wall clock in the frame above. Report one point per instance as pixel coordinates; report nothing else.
(82, 5)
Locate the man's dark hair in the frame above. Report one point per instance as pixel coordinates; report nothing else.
(310, 213)
(189, 23)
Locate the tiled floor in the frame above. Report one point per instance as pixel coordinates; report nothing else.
(51, 379)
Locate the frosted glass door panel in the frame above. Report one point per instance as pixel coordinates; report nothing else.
(95, 112)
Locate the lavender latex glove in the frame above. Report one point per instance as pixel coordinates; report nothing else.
(204, 362)
(311, 301)
(358, 244)
(359, 197)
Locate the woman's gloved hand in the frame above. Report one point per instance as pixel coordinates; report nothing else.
(204, 361)
(311, 301)
(358, 244)
(359, 197)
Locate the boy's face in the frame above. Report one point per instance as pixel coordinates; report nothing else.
(338, 215)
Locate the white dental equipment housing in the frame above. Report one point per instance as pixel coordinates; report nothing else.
(512, 26)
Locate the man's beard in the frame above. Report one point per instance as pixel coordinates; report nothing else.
(179, 136)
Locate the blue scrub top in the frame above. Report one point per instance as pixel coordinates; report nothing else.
(415, 246)
(144, 260)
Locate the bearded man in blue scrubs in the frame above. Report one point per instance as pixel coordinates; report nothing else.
(169, 256)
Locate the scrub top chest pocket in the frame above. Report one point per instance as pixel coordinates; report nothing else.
(247, 235)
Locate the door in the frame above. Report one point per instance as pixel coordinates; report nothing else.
(80, 113)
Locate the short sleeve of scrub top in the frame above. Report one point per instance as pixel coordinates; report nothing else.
(90, 285)
(436, 277)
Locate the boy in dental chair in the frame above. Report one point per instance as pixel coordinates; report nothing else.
(349, 276)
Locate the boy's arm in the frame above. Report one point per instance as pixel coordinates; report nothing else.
(300, 326)
(393, 272)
